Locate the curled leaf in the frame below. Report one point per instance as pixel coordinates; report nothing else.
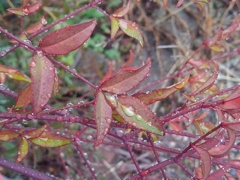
(32, 8)
(67, 39)
(42, 75)
(206, 80)
(122, 11)
(46, 139)
(223, 149)
(22, 150)
(35, 27)
(103, 116)
(232, 101)
(206, 161)
(131, 29)
(126, 80)
(159, 94)
(134, 112)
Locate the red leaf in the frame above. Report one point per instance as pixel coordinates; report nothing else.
(131, 29)
(227, 32)
(206, 161)
(67, 39)
(129, 61)
(6, 135)
(25, 2)
(46, 139)
(42, 75)
(165, 4)
(23, 150)
(24, 98)
(126, 80)
(159, 94)
(134, 112)
(114, 26)
(235, 126)
(179, 3)
(35, 27)
(223, 149)
(213, 141)
(232, 101)
(103, 116)
(218, 174)
(34, 133)
(32, 8)
(122, 11)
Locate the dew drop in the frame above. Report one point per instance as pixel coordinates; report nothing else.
(112, 99)
(3, 53)
(32, 64)
(39, 53)
(138, 117)
(128, 111)
(89, 137)
(24, 121)
(27, 42)
(108, 120)
(120, 132)
(44, 21)
(80, 102)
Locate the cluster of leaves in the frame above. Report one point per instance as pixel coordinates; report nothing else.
(115, 107)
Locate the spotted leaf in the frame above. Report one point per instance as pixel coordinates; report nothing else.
(42, 75)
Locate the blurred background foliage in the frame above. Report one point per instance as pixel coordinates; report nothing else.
(184, 29)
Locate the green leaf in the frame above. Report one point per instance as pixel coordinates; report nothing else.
(23, 150)
(114, 26)
(46, 139)
(134, 112)
(14, 74)
(42, 75)
(103, 116)
(17, 11)
(131, 29)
